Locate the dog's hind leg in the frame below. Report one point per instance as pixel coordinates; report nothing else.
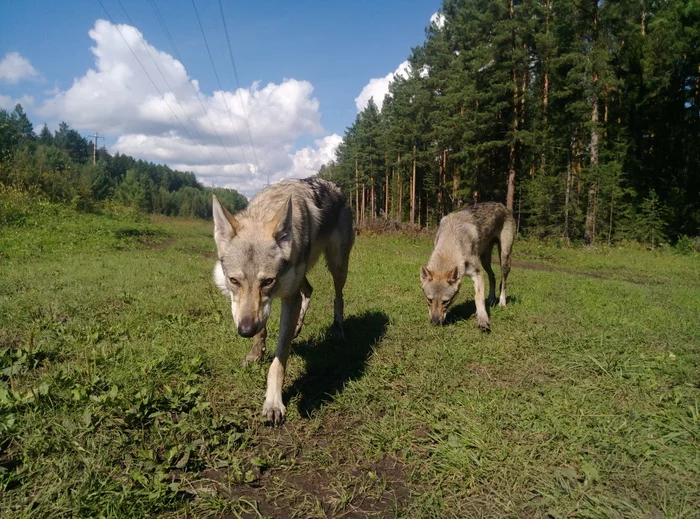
(306, 290)
(505, 248)
(337, 256)
(257, 352)
(486, 263)
(273, 408)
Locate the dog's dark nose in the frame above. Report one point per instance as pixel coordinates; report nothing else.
(436, 321)
(247, 327)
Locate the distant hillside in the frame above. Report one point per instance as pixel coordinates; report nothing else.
(59, 167)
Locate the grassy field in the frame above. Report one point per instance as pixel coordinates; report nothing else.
(122, 393)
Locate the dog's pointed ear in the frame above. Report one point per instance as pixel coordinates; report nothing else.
(280, 227)
(225, 224)
(454, 276)
(425, 274)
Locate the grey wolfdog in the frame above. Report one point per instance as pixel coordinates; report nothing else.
(265, 252)
(463, 245)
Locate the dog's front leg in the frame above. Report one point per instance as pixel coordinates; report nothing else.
(482, 317)
(257, 352)
(273, 409)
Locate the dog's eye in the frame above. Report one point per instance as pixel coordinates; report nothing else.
(267, 282)
(430, 301)
(234, 282)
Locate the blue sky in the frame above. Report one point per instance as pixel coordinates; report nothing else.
(301, 66)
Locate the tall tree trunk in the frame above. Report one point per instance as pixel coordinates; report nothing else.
(545, 85)
(357, 194)
(386, 186)
(455, 189)
(372, 198)
(443, 211)
(592, 210)
(545, 93)
(567, 198)
(510, 194)
(364, 202)
(419, 208)
(395, 191)
(400, 204)
(612, 203)
(523, 97)
(371, 189)
(441, 186)
(413, 189)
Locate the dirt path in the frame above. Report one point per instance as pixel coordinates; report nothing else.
(532, 265)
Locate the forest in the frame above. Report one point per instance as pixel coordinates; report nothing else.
(64, 167)
(583, 116)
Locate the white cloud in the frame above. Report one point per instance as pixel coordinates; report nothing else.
(377, 88)
(280, 164)
(117, 98)
(307, 161)
(14, 68)
(5, 102)
(438, 20)
(9, 103)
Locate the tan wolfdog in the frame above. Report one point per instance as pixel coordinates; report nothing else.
(463, 245)
(265, 252)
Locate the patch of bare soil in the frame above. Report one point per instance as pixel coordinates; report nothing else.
(158, 245)
(532, 265)
(317, 476)
(8, 340)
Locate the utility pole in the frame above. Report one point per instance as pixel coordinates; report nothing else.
(94, 148)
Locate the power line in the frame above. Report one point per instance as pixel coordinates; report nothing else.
(145, 46)
(221, 89)
(238, 87)
(154, 83)
(164, 26)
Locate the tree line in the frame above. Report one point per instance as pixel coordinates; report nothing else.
(64, 167)
(583, 116)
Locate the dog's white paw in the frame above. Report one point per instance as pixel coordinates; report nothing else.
(483, 323)
(273, 412)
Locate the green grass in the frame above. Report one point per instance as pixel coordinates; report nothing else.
(122, 394)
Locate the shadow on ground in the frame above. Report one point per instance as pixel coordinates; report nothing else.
(466, 309)
(330, 364)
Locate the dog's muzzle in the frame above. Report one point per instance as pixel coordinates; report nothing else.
(436, 321)
(247, 327)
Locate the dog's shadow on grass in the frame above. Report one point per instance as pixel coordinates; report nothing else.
(466, 309)
(331, 364)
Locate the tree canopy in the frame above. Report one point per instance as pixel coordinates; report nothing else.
(60, 168)
(579, 115)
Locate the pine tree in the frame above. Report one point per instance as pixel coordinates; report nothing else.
(45, 136)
